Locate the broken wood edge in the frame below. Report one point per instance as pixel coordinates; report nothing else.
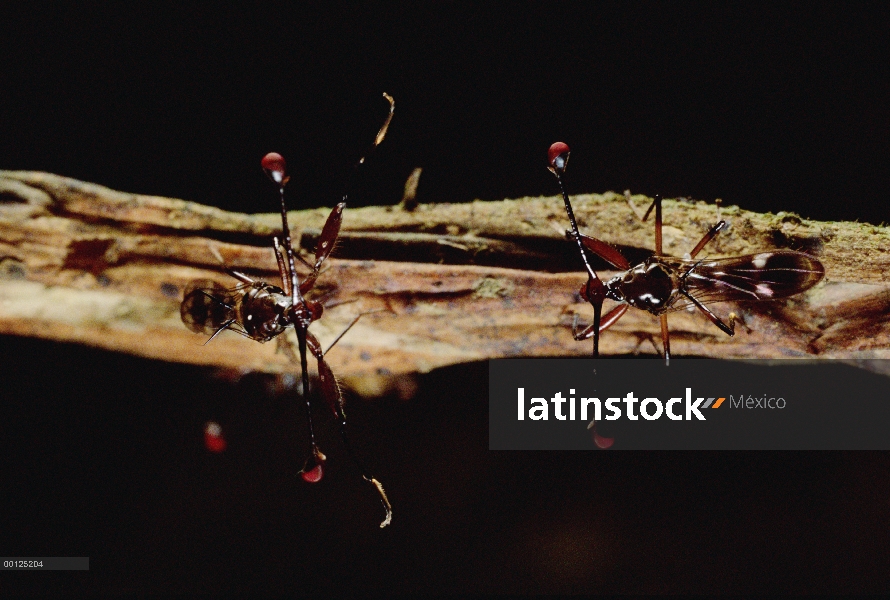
(851, 252)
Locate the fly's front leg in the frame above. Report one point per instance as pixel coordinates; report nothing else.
(606, 322)
(333, 395)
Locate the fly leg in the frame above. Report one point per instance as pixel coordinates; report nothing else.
(333, 395)
(727, 329)
(606, 322)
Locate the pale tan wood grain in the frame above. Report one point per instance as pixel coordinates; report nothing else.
(83, 263)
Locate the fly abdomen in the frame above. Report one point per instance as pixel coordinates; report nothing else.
(206, 306)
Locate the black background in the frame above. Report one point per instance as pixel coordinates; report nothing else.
(772, 109)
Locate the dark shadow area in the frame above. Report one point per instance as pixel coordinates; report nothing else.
(104, 458)
(780, 108)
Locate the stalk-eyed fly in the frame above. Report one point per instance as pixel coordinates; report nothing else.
(262, 311)
(662, 284)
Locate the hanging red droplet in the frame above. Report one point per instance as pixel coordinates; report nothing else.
(213, 437)
(313, 475)
(602, 442)
(275, 167)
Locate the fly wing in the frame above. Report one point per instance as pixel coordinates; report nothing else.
(764, 276)
(206, 305)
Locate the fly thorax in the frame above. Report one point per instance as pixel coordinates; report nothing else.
(649, 286)
(264, 311)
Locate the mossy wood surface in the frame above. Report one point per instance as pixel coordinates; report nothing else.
(458, 282)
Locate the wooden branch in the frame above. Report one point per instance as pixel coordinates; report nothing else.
(83, 263)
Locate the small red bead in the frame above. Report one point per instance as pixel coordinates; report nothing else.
(213, 438)
(313, 475)
(602, 442)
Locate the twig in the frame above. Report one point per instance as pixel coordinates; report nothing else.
(82, 263)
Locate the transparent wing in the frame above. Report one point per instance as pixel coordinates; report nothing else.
(764, 276)
(206, 305)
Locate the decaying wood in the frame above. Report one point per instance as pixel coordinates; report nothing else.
(457, 282)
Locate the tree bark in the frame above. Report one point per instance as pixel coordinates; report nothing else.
(452, 282)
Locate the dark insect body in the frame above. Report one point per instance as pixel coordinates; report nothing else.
(662, 284)
(262, 312)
